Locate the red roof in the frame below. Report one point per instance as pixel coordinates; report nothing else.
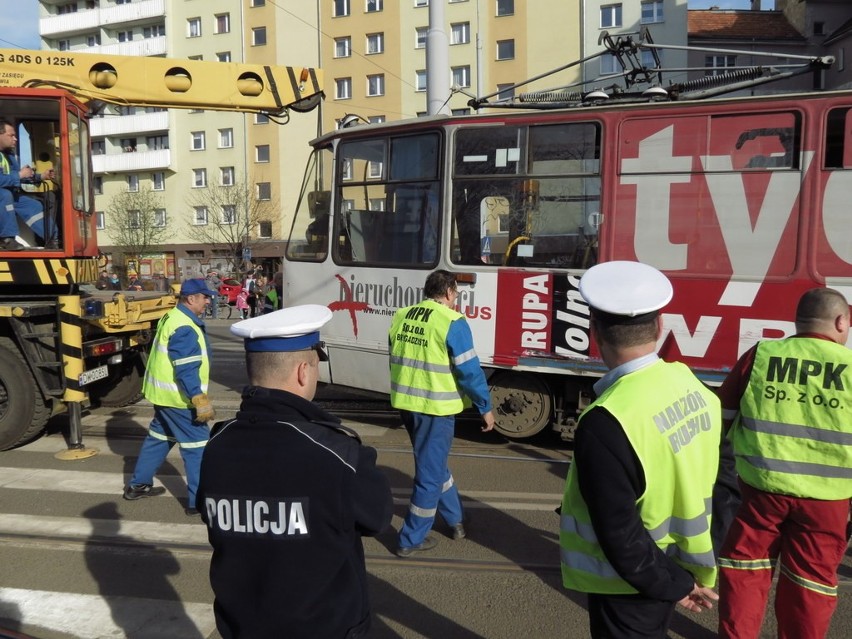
(741, 25)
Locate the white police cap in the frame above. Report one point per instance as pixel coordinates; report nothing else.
(625, 292)
(290, 329)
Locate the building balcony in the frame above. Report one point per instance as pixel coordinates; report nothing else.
(140, 48)
(131, 162)
(88, 20)
(128, 124)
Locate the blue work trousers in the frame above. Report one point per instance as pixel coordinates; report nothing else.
(28, 209)
(172, 426)
(434, 490)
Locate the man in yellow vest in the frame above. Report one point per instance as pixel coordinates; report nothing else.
(176, 379)
(434, 369)
(789, 404)
(635, 517)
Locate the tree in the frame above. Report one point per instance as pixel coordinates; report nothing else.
(226, 217)
(137, 222)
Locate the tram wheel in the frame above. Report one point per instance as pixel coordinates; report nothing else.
(522, 404)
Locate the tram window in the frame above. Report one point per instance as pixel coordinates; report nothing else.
(546, 220)
(758, 141)
(838, 139)
(490, 150)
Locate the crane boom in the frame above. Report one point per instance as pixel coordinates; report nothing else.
(165, 82)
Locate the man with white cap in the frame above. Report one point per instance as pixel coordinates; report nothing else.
(176, 379)
(287, 492)
(635, 517)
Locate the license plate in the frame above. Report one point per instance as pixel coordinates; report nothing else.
(93, 375)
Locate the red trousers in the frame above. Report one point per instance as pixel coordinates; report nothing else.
(807, 539)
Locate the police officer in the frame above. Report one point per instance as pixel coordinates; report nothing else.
(789, 403)
(287, 493)
(176, 379)
(434, 370)
(635, 517)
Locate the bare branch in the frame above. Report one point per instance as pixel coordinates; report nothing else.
(137, 222)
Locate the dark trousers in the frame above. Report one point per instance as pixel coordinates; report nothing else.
(628, 617)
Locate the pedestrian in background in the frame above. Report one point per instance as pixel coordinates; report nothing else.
(213, 283)
(435, 373)
(274, 293)
(133, 283)
(176, 379)
(250, 287)
(788, 405)
(242, 304)
(635, 517)
(287, 492)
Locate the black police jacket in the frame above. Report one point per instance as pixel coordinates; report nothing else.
(286, 493)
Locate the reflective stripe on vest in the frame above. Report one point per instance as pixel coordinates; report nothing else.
(675, 435)
(421, 373)
(793, 431)
(160, 385)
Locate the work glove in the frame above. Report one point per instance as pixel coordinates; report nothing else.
(203, 408)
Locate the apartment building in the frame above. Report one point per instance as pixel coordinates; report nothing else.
(180, 157)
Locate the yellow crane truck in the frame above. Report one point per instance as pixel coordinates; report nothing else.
(61, 339)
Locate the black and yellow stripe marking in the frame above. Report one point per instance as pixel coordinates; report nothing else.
(71, 336)
(32, 272)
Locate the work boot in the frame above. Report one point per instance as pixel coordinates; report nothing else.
(427, 544)
(191, 512)
(458, 531)
(139, 491)
(10, 244)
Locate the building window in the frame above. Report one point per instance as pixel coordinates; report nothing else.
(98, 183)
(133, 183)
(718, 64)
(374, 170)
(460, 33)
(199, 178)
(159, 218)
(93, 40)
(223, 23)
(134, 219)
(226, 138)
(648, 60)
(264, 229)
(64, 45)
(229, 214)
(505, 49)
(258, 3)
(420, 80)
(100, 220)
(460, 111)
(198, 141)
(98, 147)
(154, 31)
(128, 145)
(375, 42)
(157, 142)
(342, 88)
(264, 190)
(224, 56)
(261, 118)
(376, 85)
(193, 28)
(261, 153)
(62, 9)
(347, 169)
(610, 16)
(343, 47)
(341, 8)
(125, 36)
(158, 181)
(258, 36)
(461, 76)
(652, 11)
(226, 176)
(505, 7)
(200, 215)
(609, 64)
(421, 3)
(375, 5)
(420, 37)
(505, 91)
(376, 119)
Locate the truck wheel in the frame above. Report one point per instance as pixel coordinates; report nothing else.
(123, 386)
(522, 404)
(23, 412)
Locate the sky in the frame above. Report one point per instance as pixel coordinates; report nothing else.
(20, 27)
